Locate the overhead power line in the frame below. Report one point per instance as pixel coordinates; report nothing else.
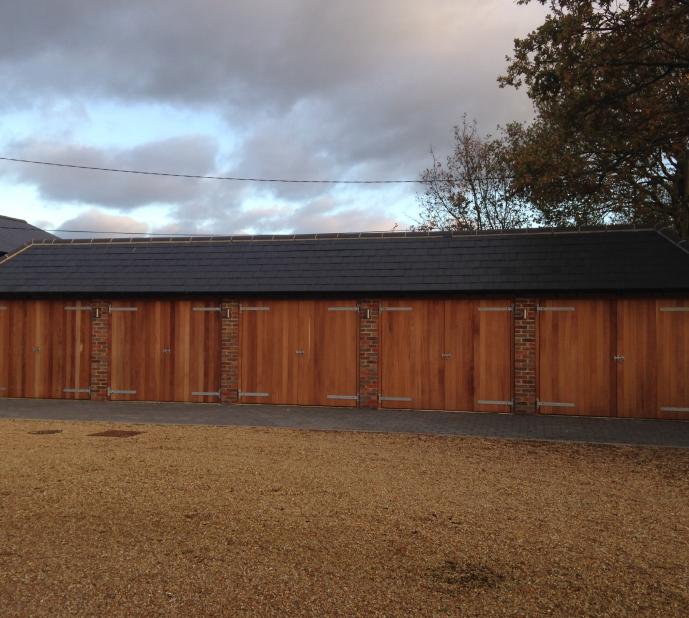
(203, 177)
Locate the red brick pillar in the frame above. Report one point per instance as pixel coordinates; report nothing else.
(229, 351)
(369, 344)
(100, 349)
(525, 315)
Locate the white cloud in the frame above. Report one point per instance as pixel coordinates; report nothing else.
(95, 220)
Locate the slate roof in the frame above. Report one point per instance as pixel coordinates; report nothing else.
(538, 260)
(16, 232)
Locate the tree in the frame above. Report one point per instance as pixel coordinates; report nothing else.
(609, 80)
(472, 191)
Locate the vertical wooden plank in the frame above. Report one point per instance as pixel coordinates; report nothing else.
(39, 376)
(458, 354)
(166, 328)
(19, 348)
(83, 353)
(153, 352)
(118, 336)
(493, 354)
(206, 338)
(184, 348)
(5, 348)
(302, 384)
(673, 358)
(575, 354)
(53, 349)
(30, 350)
(637, 372)
(67, 350)
(252, 326)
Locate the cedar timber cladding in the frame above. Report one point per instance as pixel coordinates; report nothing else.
(556, 321)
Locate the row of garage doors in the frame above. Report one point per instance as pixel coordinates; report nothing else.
(594, 357)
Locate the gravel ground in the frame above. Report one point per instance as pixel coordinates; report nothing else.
(225, 521)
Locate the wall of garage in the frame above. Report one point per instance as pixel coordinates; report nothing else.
(605, 356)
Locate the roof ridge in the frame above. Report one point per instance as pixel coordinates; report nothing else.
(192, 239)
(17, 219)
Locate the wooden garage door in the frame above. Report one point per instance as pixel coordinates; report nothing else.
(48, 349)
(575, 357)
(446, 354)
(165, 351)
(624, 357)
(299, 352)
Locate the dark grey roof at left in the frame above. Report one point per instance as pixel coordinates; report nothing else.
(16, 232)
(611, 260)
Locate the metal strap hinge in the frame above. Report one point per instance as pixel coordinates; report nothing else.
(76, 390)
(396, 309)
(344, 308)
(675, 309)
(384, 398)
(248, 394)
(348, 397)
(76, 308)
(540, 308)
(673, 409)
(114, 391)
(494, 402)
(554, 404)
(495, 309)
(115, 309)
(205, 308)
(205, 394)
(247, 308)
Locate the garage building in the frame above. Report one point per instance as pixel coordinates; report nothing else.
(585, 322)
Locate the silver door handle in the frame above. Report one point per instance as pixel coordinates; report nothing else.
(618, 357)
(446, 355)
(167, 350)
(300, 352)
(37, 348)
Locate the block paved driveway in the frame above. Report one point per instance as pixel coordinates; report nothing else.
(558, 428)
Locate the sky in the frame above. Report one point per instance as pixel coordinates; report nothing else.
(305, 89)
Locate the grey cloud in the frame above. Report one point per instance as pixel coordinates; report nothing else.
(377, 68)
(192, 154)
(355, 89)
